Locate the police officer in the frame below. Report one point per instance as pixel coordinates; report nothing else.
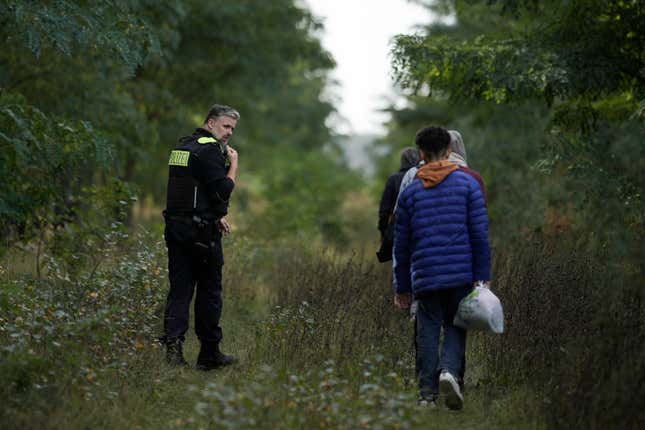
(202, 171)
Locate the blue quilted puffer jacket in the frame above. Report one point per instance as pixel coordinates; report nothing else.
(441, 235)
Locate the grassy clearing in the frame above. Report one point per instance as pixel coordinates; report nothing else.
(320, 344)
(252, 396)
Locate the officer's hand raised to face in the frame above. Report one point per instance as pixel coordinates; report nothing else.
(232, 155)
(232, 170)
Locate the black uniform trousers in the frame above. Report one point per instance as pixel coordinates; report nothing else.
(192, 268)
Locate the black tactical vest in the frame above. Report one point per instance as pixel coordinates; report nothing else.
(186, 196)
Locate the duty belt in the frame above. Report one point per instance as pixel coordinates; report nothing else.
(184, 219)
(188, 218)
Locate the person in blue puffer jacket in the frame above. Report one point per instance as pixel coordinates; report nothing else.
(441, 248)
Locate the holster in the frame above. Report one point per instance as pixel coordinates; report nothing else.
(197, 233)
(204, 232)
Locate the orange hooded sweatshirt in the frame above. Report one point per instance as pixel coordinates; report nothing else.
(432, 174)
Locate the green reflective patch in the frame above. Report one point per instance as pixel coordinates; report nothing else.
(179, 158)
(204, 140)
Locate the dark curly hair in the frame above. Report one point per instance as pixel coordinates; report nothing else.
(433, 141)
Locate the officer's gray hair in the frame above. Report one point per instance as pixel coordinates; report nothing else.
(222, 110)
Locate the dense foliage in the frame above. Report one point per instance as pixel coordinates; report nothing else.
(97, 91)
(319, 344)
(578, 64)
(37, 153)
(548, 96)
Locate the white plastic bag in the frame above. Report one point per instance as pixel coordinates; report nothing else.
(480, 310)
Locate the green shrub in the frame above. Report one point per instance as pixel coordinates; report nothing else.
(45, 163)
(574, 332)
(80, 328)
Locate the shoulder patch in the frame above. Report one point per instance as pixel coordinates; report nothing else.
(205, 140)
(179, 158)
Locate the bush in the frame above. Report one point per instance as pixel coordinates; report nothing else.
(79, 329)
(574, 333)
(45, 162)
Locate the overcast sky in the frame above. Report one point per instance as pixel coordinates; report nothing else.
(358, 33)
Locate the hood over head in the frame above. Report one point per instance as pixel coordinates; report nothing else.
(409, 158)
(458, 155)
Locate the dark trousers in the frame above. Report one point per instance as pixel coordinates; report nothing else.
(436, 311)
(189, 269)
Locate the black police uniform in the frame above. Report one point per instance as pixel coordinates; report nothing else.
(198, 195)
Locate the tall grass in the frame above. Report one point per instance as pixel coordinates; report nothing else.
(330, 307)
(575, 333)
(575, 327)
(320, 344)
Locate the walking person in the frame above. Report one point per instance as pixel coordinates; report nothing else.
(409, 158)
(202, 172)
(441, 248)
(457, 156)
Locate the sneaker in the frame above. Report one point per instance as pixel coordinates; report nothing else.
(414, 308)
(428, 402)
(449, 389)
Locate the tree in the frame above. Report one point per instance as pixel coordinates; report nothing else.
(581, 60)
(51, 154)
(141, 74)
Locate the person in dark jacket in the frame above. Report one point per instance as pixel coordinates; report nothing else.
(409, 158)
(202, 171)
(441, 248)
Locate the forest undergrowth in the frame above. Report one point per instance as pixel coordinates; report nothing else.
(319, 342)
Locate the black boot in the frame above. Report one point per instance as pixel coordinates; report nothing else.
(210, 357)
(174, 353)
